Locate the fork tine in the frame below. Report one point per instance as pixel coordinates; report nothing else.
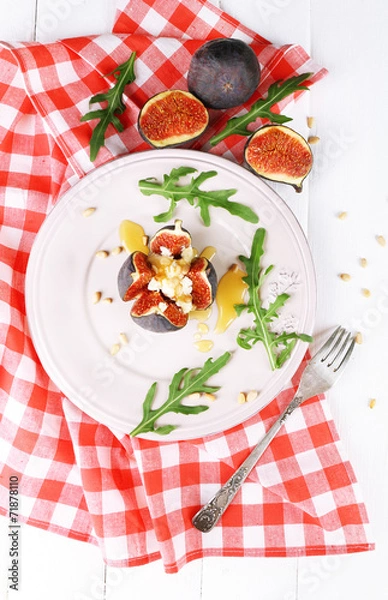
(341, 349)
(328, 345)
(346, 357)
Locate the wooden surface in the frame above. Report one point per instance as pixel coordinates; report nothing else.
(349, 107)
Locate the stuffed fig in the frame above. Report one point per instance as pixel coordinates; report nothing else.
(168, 283)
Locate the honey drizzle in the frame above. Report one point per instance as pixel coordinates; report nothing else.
(200, 315)
(231, 290)
(208, 252)
(204, 345)
(133, 237)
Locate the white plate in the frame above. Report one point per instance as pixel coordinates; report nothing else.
(73, 337)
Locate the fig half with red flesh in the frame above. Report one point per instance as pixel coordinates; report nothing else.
(171, 118)
(169, 282)
(280, 154)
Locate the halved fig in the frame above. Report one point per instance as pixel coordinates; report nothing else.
(171, 118)
(169, 282)
(280, 154)
(223, 73)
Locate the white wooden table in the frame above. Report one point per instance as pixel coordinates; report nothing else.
(350, 173)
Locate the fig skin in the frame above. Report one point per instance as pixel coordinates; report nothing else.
(155, 323)
(223, 73)
(172, 118)
(278, 153)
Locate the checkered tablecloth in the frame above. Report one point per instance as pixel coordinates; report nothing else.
(134, 497)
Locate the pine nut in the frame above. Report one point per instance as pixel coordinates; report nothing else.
(372, 402)
(117, 250)
(102, 254)
(88, 211)
(365, 292)
(123, 338)
(209, 397)
(358, 338)
(252, 395)
(96, 297)
(342, 215)
(241, 398)
(195, 396)
(107, 300)
(381, 240)
(363, 262)
(310, 122)
(345, 277)
(114, 349)
(313, 139)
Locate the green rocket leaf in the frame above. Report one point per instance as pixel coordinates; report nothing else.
(124, 74)
(173, 191)
(262, 108)
(184, 383)
(277, 345)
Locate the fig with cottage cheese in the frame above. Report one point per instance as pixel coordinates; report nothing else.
(168, 283)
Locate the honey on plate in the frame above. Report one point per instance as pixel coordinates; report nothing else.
(231, 290)
(204, 345)
(208, 252)
(133, 237)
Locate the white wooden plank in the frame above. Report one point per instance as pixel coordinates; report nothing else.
(17, 21)
(58, 19)
(52, 565)
(249, 578)
(149, 581)
(272, 19)
(341, 577)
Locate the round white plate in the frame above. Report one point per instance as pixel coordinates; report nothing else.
(73, 336)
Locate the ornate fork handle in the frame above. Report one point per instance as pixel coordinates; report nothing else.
(208, 516)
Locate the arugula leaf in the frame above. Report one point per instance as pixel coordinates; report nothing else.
(171, 190)
(124, 74)
(262, 108)
(184, 382)
(278, 346)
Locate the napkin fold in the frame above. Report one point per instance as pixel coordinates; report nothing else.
(135, 497)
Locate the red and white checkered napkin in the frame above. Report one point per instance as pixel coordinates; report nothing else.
(136, 498)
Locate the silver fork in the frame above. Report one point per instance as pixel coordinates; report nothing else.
(321, 373)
